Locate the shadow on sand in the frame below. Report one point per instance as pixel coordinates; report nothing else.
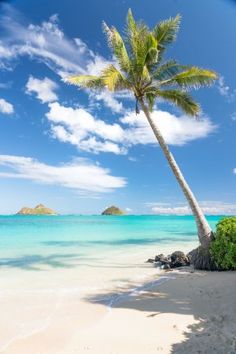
(209, 330)
(36, 262)
(56, 260)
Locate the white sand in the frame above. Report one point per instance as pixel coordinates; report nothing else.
(190, 313)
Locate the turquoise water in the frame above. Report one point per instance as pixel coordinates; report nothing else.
(57, 241)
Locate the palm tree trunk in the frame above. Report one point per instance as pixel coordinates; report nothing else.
(204, 230)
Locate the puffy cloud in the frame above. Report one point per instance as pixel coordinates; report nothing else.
(208, 207)
(81, 174)
(44, 89)
(175, 130)
(79, 127)
(6, 107)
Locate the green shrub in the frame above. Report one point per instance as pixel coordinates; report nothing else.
(223, 247)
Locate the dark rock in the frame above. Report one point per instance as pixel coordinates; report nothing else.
(177, 255)
(177, 264)
(161, 258)
(150, 260)
(179, 259)
(176, 259)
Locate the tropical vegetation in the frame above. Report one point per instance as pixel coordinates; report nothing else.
(223, 246)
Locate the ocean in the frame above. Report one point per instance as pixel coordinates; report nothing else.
(68, 241)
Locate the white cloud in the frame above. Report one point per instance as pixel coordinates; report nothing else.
(208, 207)
(225, 90)
(128, 210)
(80, 128)
(108, 99)
(175, 130)
(222, 87)
(81, 175)
(47, 43)
(96, 64)
(44, 89)
(234, 170)
(6, 107)
(180, 210)
(218, 208)
(5, 52)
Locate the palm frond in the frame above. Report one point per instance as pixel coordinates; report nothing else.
(150, 98)
(194, 77)
(131, 33)
(151, 50)
(86, 81)
(139, 41)
(146, 78)
(113, 79)
(168, 70)
(165, 32)
(117, 45)
(131, 24)
(180, 99)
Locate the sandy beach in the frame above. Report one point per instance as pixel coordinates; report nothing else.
(176, 312)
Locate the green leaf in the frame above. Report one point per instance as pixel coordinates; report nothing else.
(180, 99)
(150, 97)
(131, 24)
(117, 45)
(86, 81)
(194, 77)
(113, 79)
(168, 70)
(165, 32)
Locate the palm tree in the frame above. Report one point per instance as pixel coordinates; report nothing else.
(140, 68)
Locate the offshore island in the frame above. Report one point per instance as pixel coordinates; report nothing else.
(113, 210)
(40, 209)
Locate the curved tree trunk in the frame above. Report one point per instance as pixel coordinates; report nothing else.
(204, 230)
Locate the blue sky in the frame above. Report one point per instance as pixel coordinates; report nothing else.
(79, 152)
